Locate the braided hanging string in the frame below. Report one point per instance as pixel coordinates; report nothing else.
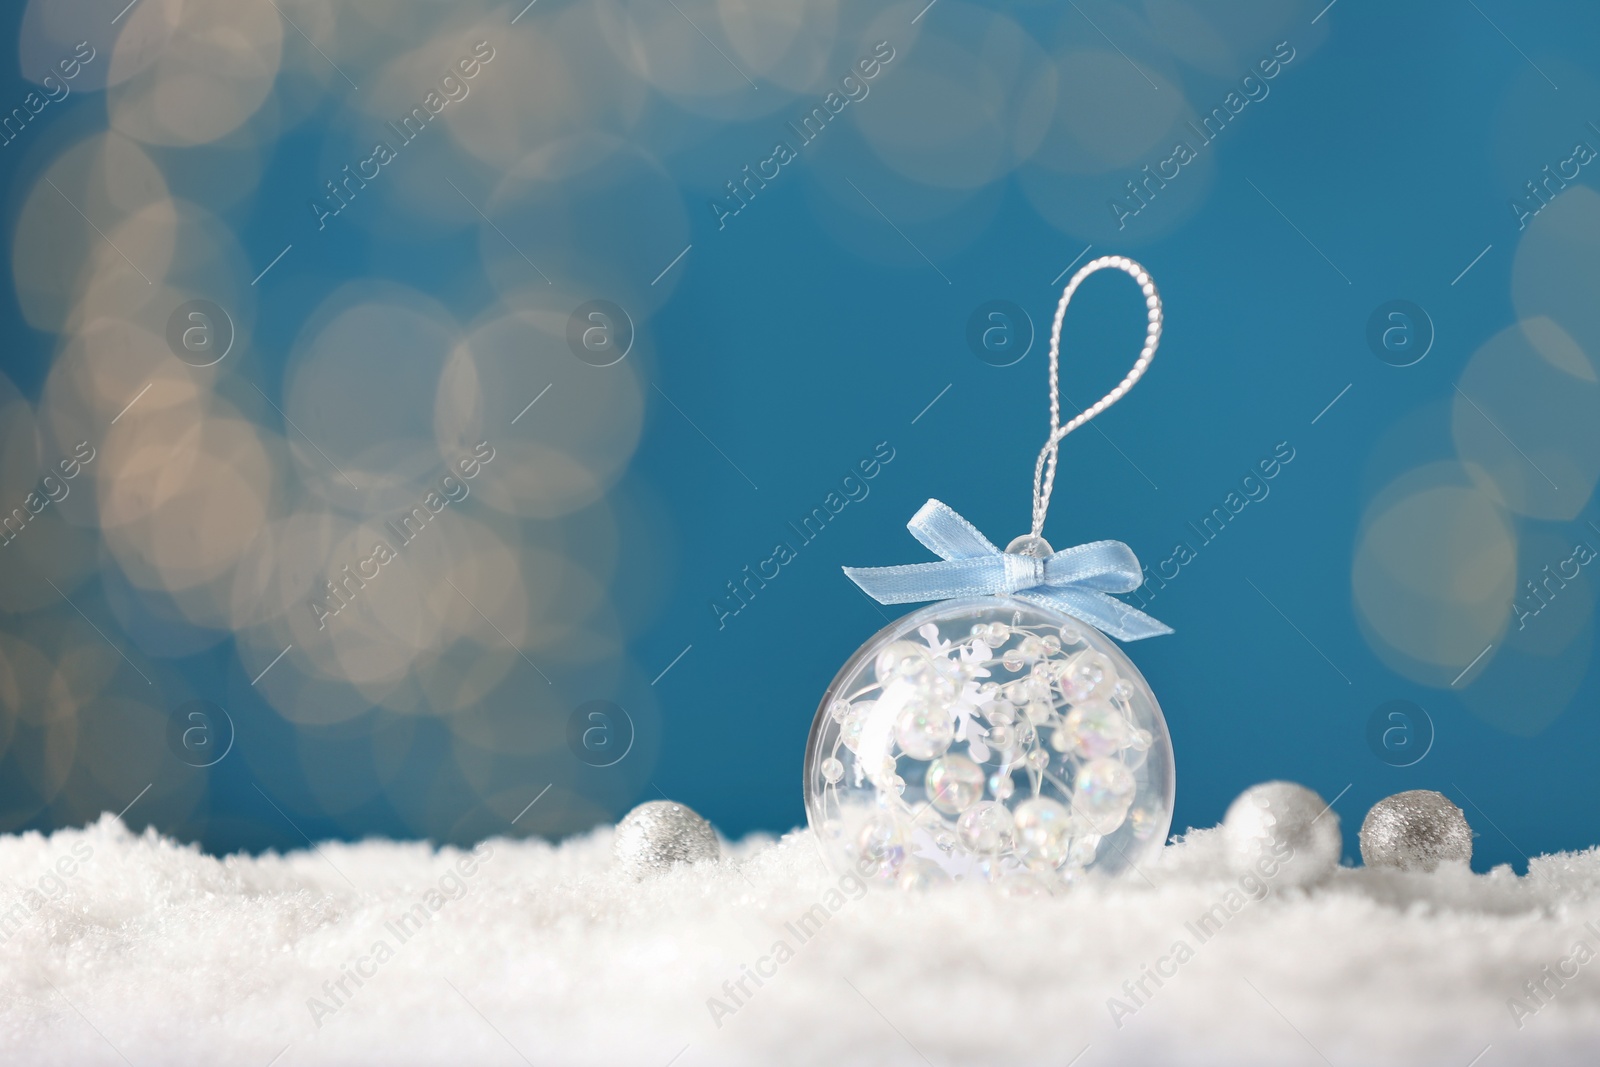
(1044, 471)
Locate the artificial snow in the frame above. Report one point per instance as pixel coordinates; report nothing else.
(123, 949)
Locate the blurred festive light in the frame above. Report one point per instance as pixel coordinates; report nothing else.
(128, 753)
(1112, 119)
(40, 721)
(1434, 573)
(1549, 634)
(1556, 272)
(588, 214)
(558, 82)
(970, 101)
(783, 42)
(1221, 40)
(565, 429)
(98, 182)
(686, 54)
(216, 63)
(38, 541)
(226, 507)
(181, 496)
(162, 624)
(1527, 420)
(1109, 114)
(359, 395)
(285, 565)
(233, 509)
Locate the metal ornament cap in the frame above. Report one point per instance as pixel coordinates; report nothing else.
(1029, 545)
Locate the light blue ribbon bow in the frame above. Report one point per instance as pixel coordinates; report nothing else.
(1074, 580)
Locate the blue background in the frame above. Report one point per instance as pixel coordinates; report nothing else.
(809, 328)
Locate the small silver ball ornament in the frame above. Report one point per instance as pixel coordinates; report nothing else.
(660, 833)
(1415, 831)
(1284, 833)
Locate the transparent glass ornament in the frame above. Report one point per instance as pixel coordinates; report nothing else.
(989, 739)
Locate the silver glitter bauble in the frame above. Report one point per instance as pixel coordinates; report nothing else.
(1282, 832)
(1415, 831)
(656, 835)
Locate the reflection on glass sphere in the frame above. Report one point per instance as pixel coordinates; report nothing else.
(988, 739)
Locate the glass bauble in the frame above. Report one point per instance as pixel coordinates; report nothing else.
(989, 739)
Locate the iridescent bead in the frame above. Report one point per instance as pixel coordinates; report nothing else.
(961, 672)
(1102, 793)
(900, 659)
(1143, 821)
(1097, 729)
(850, 733)
(1081, 852)
(924, 730)
(986, 827)
(1043, 826)
(994, 865)
(954, 783)
(920, 874)
(906, 765)
(941, 689)
(881, 845)
(1088, 675)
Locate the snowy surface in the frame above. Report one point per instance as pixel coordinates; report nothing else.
(140, 951)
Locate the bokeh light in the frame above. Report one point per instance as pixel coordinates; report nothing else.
(397, 221)
(1434, 572)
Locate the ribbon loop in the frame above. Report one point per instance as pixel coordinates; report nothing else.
(1075, 580)
(1022, 572)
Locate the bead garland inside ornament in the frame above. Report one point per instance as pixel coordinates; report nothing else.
(918, 768)
(999, 735)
